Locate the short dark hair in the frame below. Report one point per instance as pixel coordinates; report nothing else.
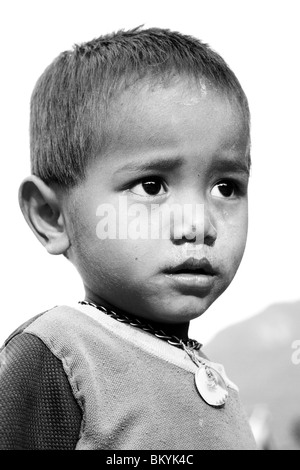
(70, 100)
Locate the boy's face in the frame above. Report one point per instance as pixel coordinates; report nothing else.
(175, 147)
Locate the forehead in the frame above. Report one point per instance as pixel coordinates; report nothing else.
(179, 118)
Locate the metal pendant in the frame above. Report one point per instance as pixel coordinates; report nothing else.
(211, 386)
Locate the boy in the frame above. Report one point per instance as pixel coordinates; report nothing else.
(140, 162)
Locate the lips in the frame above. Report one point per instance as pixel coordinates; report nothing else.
(192, 277)
(193, 266)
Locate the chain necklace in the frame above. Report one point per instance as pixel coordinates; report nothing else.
(209, 382)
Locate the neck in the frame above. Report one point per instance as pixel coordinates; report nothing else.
(180, 330)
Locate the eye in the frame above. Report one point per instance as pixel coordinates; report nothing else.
(151, 186)
(224, 189)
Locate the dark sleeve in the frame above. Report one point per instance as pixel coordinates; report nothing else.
(37, 407)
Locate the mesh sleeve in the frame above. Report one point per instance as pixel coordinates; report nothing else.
(37, 408)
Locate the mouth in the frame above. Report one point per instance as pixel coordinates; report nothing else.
(193, 266)
(193, 276)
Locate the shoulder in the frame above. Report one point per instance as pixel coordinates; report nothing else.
(21, 328)
(37, 407)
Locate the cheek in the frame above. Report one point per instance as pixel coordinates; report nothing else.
(111, 242)
(126, 238)
(129, 256)
(233, 235)
(123, 262)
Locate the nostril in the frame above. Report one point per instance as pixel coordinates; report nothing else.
(209, 240)
(184, 239)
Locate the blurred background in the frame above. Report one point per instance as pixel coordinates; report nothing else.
(254, 327)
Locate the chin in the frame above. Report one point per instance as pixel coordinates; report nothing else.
(185, 310)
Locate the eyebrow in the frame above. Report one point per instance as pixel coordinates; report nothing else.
(162, 164)
(233, 165)
(168, 164)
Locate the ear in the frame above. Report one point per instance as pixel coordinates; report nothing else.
(42, 210)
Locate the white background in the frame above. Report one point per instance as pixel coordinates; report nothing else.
(260, 40)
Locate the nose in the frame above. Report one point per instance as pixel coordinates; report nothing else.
(195, 226)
